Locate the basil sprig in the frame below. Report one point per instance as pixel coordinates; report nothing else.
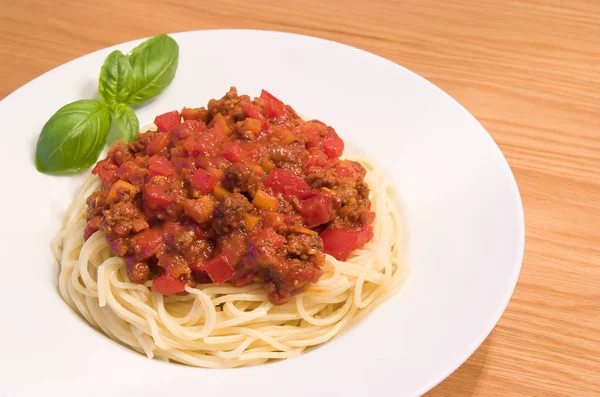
(74, 136)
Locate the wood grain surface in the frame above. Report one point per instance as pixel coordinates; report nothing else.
(528, 70)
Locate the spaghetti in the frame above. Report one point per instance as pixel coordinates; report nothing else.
(225, 326)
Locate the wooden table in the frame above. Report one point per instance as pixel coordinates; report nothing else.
(528, 70)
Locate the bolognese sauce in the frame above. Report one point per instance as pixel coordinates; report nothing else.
(242, 190)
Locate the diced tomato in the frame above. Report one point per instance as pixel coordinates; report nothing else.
(157, 197)
(198, 266)
(159, 165)
(339, 242)
(316, 159)
(106, 171)
(371, 215)
(317, 210)
(208, 143)
(364, 236)
(286, 182)
(204, 181)
(147, 243)
(232, 151)
(158, 143)
(273, 107)
(167, 121)
(333, 146)
(269, 235)
(310, 134)
(219, 269)
(186, 129)
(267, 96)
(253, 111)
(181, 163)
(190, 146)
(91, 227)
(346, 172)
(167, 285)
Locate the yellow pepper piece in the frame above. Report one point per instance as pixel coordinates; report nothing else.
(220, 119)
(219, 192)
(251, 221)
(265, 201)
(274, 219)
(215, 171)
(266, 164)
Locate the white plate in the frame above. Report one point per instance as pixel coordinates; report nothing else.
(463, 217)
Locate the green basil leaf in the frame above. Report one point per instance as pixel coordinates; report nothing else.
(115, 84)
(126, 120)
(154, 63)
(73, 137)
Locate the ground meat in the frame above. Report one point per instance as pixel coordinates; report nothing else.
(291, 157)
(138, 272)
(198, 251)
(241, 179)
(228, 104)
(284, 281)
(345, 195)
(123, 218)
(246, 135)
(322, 178)
(351, 215)
(230, 213)
(248, 129)
(117, 245)
(144, 139)
(177, 237)
(96, 203)
(303, 246)
(134, 173)
(351, 197)
(121, 153)
(174, 265)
